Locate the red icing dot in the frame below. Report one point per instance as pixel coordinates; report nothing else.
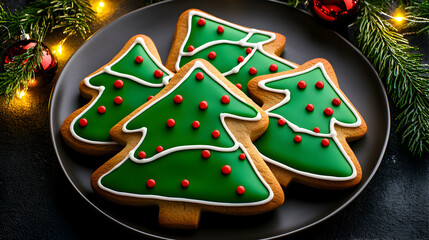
(302, 84)
(195, 124)
(242, 156)
(336, 101)
(159, 149)
(220, 29)
(316, 130)
(118, 83)
(185, 183)
(205, 154)
(201, 22)
(203, 105)
(149, 98)
(328, 111)
(225, 99)
(216, 133)
(253, 71)
(191, 48)
(248, 50)
(226, 169)
(178, 99)
(199, 76)
(101, 109)
(171, 122)
(281, 122)
(239, 86)
(240, 59)
(240, 190)
(297, 139)
(142, 154)
(320, 84)
(325, 142)
(139, 59)
(150, 183)
(158, 73)
(212, 55)
(273, 67)
(309, 107)
(83, 122)
(118, 100)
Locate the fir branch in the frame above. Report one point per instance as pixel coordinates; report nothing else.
(420, 11)
(407, 80)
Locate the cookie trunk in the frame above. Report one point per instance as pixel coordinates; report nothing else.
(179, 215)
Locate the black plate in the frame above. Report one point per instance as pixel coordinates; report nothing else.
(306, 40)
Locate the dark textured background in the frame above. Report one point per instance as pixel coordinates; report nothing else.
(38, 202)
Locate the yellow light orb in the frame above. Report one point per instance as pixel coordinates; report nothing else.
(101, 4)
(399, 18)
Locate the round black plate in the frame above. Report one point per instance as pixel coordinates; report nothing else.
(306, 40)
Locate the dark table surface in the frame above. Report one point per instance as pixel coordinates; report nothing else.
(38, 202)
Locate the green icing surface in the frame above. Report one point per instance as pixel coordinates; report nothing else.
(295, 110)
(308, 156)
(257, 37)
(193, 92)
(206, 181)
(99, 125)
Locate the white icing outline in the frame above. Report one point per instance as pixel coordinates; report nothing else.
(295, 128)
(242, 42)
(237, 145)
(100, 89)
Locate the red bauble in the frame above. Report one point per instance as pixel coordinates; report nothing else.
(48, 64)
(338, 12)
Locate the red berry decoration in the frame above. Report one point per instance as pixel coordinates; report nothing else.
(281, 122)
(195, 124)
(149, 98)
(83, 122)
(240, 59)
(201, 22)
(336, 12)
(240, 190)
(273, 67)
(159, 149)
(118, 100)
(220, 29)
(302, 84)
(320, 84)
(178, 99)
(101, 109)
(142, 154)
(239, 86)
(118, 84)
(253, 71)
(199, 76)
(216, 134)
(242, 156)
(150, 183)
(139, 59)
(212, 55)
(203, 105)
(309, 107)
(248, 50)
(225, 99)
(205, 154)
(325, 142)
(171, 122)
(158, 73)
(191, 48)
(297, 139)
(226, 169)
(328, 111)
(316, 130)
(185, 183)
(336, 101)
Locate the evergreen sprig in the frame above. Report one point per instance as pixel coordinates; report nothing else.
(38, 19)
(420, 11)
(406, 79)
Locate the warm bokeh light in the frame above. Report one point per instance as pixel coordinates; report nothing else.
(59, 49)
(399, 18)
(20, 94)
(100, 7)
(101, 4)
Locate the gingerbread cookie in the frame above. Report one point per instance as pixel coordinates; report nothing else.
(132, 77)
(190, 149)
(311, 121)
(238, 52)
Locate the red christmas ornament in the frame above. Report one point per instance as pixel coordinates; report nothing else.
(48, 64)
(337, 12)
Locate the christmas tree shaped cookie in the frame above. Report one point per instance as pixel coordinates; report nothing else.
(190, 149)
(239, 53)
(311, 121)
(132, 77)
